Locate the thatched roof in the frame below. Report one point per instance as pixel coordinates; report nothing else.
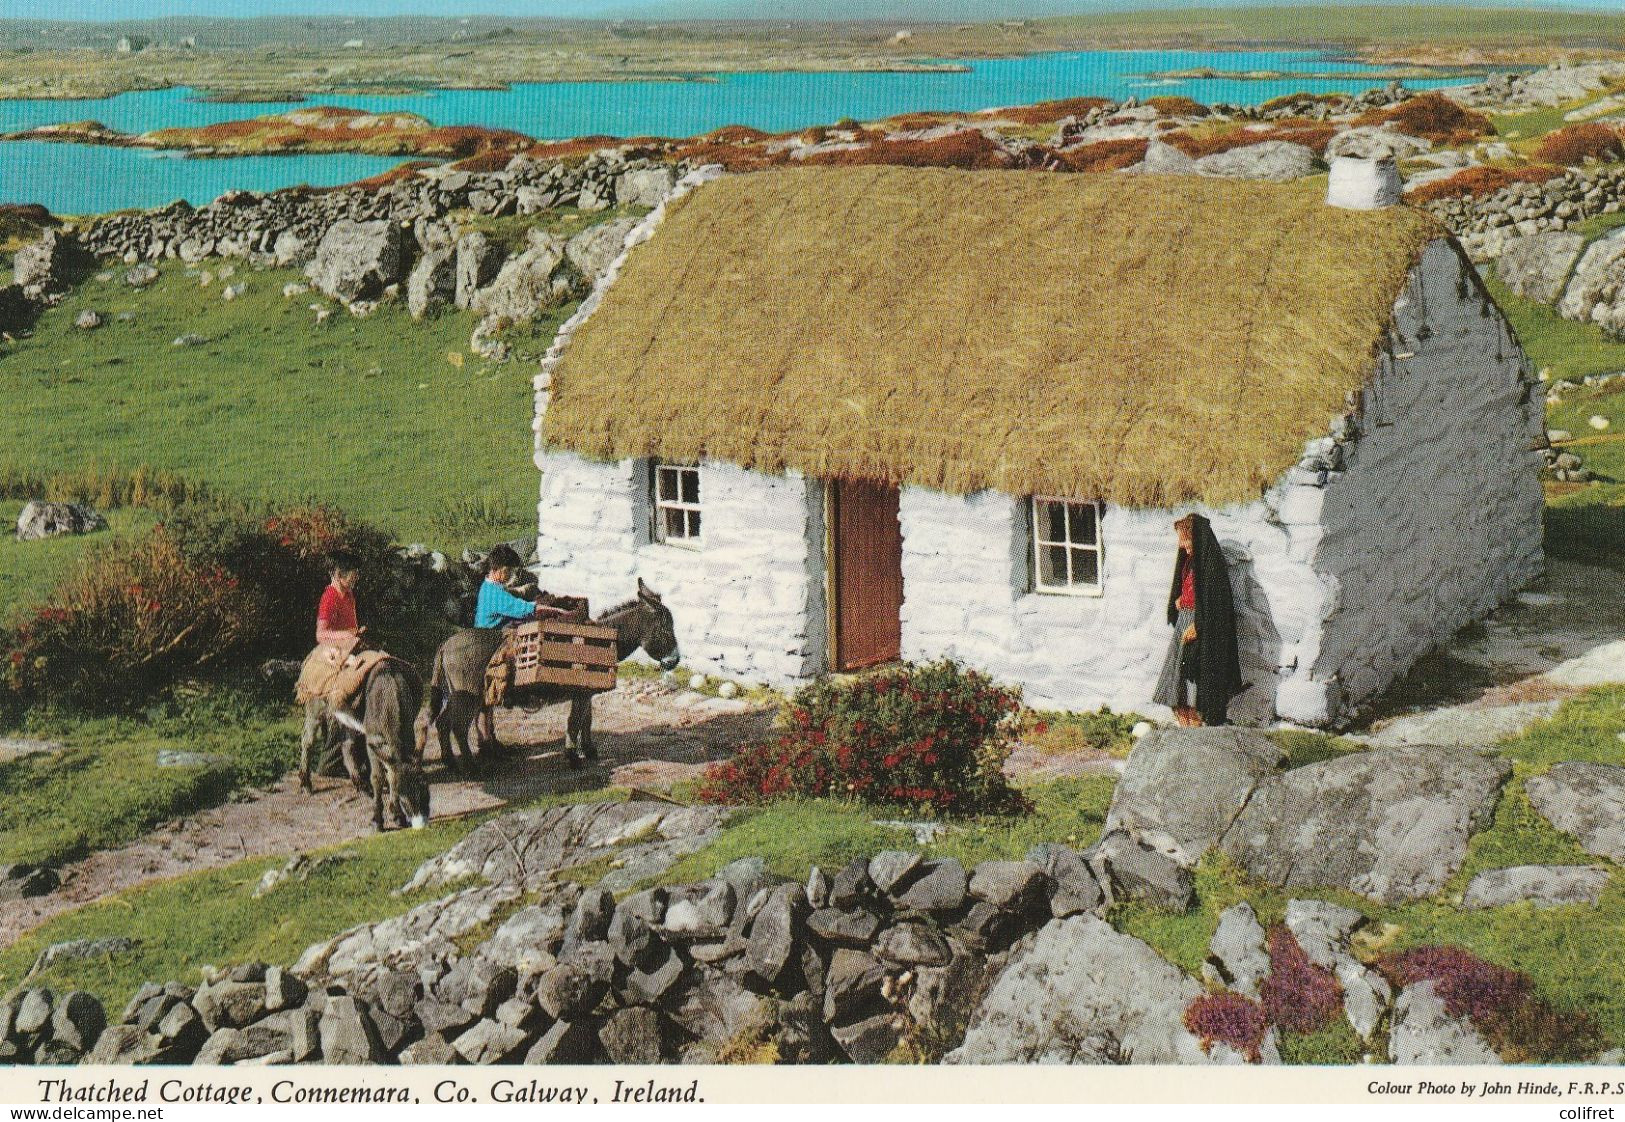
(1145, 341)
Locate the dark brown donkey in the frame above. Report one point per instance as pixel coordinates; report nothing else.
(457, 685)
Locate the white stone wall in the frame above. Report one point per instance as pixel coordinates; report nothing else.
(1435, 517)
(748, 602)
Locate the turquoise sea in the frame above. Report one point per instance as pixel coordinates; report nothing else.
(77, 179)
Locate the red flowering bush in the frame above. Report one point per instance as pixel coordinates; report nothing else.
(934, 736)
(1298, 995)
(126, 621)
(1228, 1018)
(1501, 1002)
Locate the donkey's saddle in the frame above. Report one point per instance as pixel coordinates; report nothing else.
(337, 672)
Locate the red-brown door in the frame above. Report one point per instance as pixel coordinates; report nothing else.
(867, 553)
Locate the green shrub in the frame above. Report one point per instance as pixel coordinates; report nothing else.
(934, 736)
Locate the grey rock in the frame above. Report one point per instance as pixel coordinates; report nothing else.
(77, 1021)
(1544, 886)
(237, 1045)
(520, 1014)
(177, 758)
(773, 933)
(889, 868)
(489, 1042)
(283, 990)
(854, 987)
(528, 939)
(190, 339)
(716, 1008)
(1366, 996)
(1586, 801)
(445, 1017)
(123, 1045)
(358, 260)
(1165, 159)
(576, 985)
(477, 264)
(589, 922)
(33, 1012)
(432, 282)
(633, 1036)
(567, 1042)
(1322, 929)
(986, 928)
(630, 937)
(818, 886)
(392, 1031)
(1274, 160)
(89, 320)
(1084, 993)
(1013, 885)
(40, 520)
(304, 1035)
(701, 913)
(1369, 142)
(870, 1040)
(913, 944)
(1391, 824)
(142, 276)
(1183, 787)
(433, 1049)
(644, 187)
(748, 876)
(81, 950)
(1597, 278)
(595, 249)
(649, 983)
(855, 928)
(1536, 267)
(348, 1035)
(937, 886)
(1137, 872)
(851, 885)
(1073, 888)
(527, 284)
(1237, 958)
(53, 264)
(1423, 1032)
(487, 984)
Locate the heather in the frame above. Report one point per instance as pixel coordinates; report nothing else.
(1228, 1018)
(932, 736)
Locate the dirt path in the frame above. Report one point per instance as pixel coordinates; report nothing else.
(648, 736)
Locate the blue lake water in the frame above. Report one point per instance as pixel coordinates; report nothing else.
(76, 179)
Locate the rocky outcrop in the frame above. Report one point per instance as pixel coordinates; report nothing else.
(1182, 788)
(1586, 801)
(1084, 993)
(595, 249)
(432, 282)
(1389, 824)
(359, 260)
(52, 265)
(1543, 886)
(1274, 160)
(1596, 291)
(1538, 267)
(529, 283)
(40, 520)
(1424, 1032)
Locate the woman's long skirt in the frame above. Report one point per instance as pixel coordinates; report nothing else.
(1174, 689)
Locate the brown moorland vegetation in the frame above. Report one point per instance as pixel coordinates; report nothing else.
(1576, 144)
(1431, 116)
(1049, 112)
(333, 128)
(1310, 134)
(1480, 181)
(1105, 155)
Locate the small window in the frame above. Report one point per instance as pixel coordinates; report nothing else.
(1066, 546)
(676, 503)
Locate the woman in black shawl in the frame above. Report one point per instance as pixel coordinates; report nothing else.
(1203, 670)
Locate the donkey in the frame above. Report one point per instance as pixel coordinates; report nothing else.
(457, 686)
(386, 719)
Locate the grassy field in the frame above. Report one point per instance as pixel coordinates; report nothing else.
(29, 570)
(390, 419)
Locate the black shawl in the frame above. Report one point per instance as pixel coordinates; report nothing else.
(1218, 662)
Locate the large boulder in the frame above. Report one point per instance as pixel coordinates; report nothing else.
(1597, 279)
(1391, 824)
(358, 260)
(54, 264)
(40, 520)
(432, 282)
(1373, 142)
(528, 283)
(1424, 1032)
(595, 249)
(1543, 886)
(1182, 788)
(477, 264)
(1274, 160)
(1586, 801)
(1084, 993)
(1536, 267)
(645, 186)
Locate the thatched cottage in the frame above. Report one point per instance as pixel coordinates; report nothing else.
(844, 415)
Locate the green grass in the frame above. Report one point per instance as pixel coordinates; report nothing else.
(29, 570)
(1585, 728)
(1565, 349)
(106, 787)
(390, 419)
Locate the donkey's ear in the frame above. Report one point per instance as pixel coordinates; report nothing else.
(647, 593)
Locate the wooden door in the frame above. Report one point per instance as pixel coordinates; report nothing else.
(867, 559)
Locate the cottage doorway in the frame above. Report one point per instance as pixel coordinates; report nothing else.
(866, 565)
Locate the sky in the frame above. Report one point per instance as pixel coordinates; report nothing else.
(644, 9)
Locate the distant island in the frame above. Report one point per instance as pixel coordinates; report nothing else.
(258, 60)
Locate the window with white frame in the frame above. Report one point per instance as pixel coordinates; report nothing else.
(1066, 554)
(675, 502)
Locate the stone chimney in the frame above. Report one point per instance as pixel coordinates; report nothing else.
(1361, 184)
